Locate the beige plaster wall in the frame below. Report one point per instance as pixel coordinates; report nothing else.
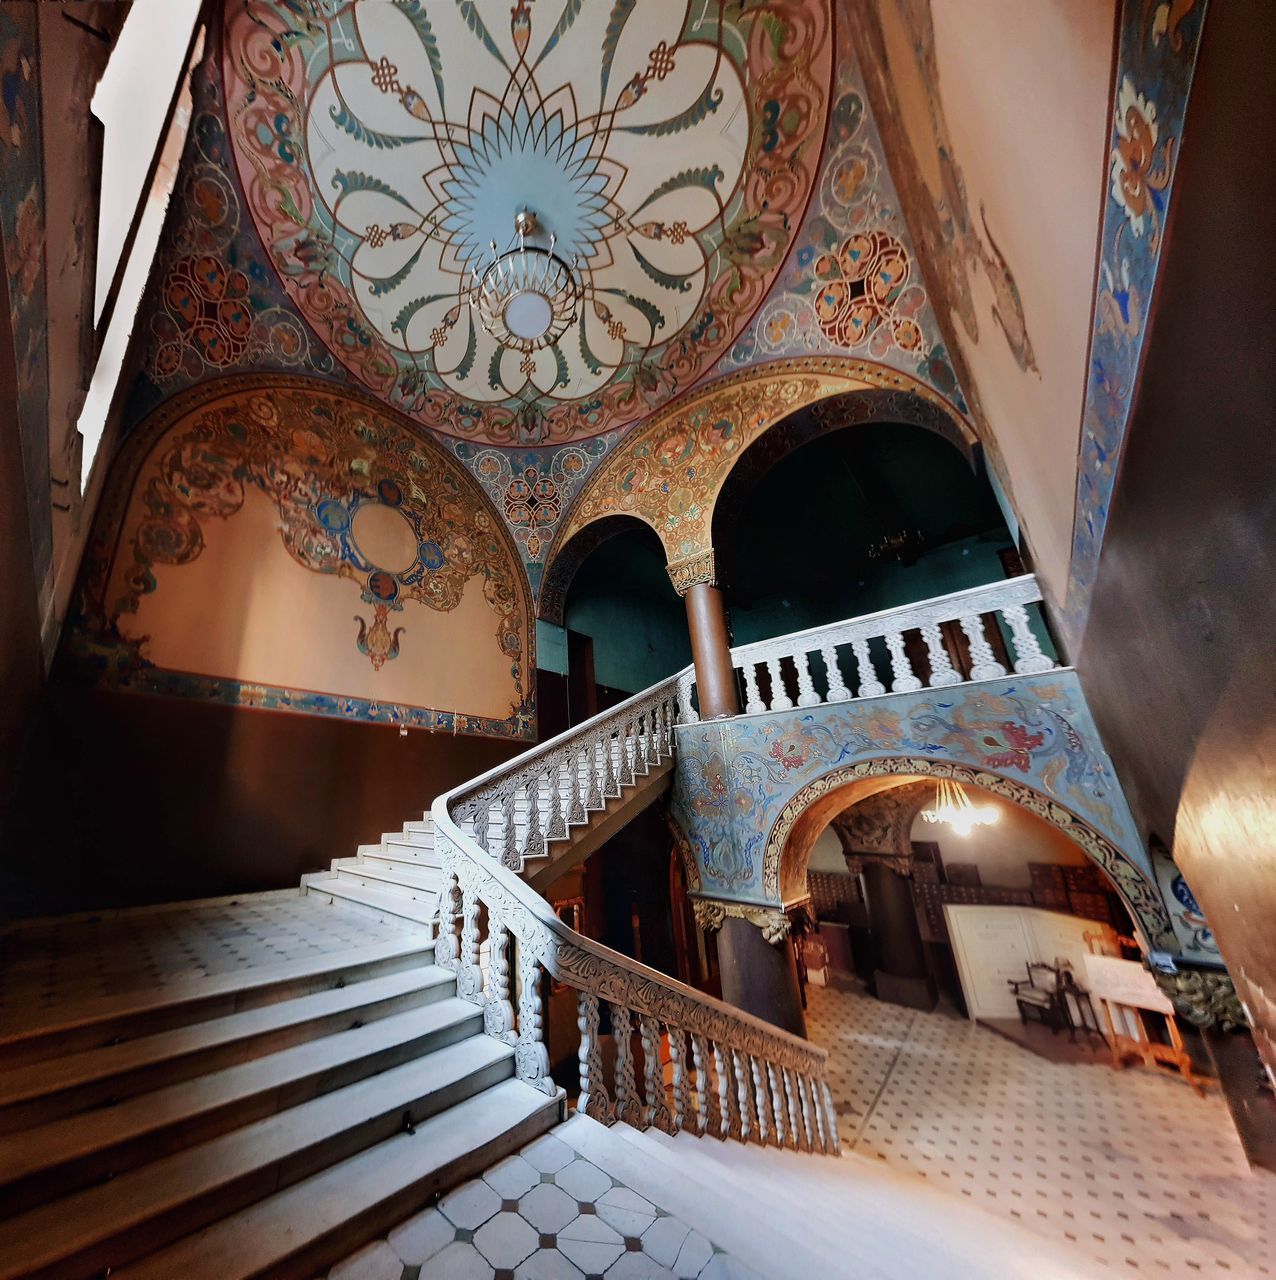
(1018, 97)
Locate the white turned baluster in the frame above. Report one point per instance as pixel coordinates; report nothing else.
(482, 827)
(700, 1061)
(807, 697)
(752, 698)
(611, 789)
(628, 1105)
(509, 837)
(469, 977)
(681, 1083)
(742, 1081)
(626, 775)
(870, 685)
(686, 712)
(534, 844)
(531, 1058)
(761, 1103)
(904, 680)
(1029, 658)
(656, 1112)
(830, 1112)
(941, 668)
(557, 828)
(447, 944)
(593, 793)
(811, 1113)
(838, 692)
(726, 1126)
(668, 718)
(577, 786)
(780, 700)
(498, 1011)
(593, 1100)
(775, 1087)
(984, 664)
(796, 1136)
(647, 739)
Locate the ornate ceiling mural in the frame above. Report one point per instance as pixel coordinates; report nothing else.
(852, 283)
(671, 148)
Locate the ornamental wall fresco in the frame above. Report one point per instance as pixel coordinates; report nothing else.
(741, 785)
(277, 542)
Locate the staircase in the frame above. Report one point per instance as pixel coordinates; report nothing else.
(254, 1129)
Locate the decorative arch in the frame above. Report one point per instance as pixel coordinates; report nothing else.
(552, 601)
(352, 529)
(788, 841)
(669, 473)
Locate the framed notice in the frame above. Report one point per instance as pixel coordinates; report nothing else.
(1125, 982)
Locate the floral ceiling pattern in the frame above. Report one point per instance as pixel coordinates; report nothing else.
(671, 148)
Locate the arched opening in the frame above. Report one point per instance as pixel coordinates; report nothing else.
(880, 513)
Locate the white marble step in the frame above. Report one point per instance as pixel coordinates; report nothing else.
(397, 858)
(76, 1151)
(112, 1224)
(39, 1092)
(107, 1020)
(311, 1225)
(381, 903)
(421, 884)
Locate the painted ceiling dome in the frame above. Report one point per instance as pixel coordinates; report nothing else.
(669, 148)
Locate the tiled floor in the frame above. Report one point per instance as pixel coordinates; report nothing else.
(82, 958)
(544, 1214)
(1133, 1167)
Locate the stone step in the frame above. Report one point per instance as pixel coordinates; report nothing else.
(420, 885)
(43, 1091)
(415, 839)
(384, 905)
(396, 857)
(303, 1230)
(91, 1024)
(425, 854)
(106, 1226)
(55, 1159)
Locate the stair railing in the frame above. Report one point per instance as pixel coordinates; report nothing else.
(730, 1074)
(1007, 600)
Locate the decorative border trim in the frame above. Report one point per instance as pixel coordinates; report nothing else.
(690, 571)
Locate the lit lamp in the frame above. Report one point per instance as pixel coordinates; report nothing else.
(525, 297)
(953, 807)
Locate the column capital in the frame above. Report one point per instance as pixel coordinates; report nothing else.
(692, 570)
(712, 912)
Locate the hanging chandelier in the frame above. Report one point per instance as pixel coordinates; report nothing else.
(953, 807)
(526, 297)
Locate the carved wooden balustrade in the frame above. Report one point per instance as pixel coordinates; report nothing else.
(730, 1074)
(845, 669)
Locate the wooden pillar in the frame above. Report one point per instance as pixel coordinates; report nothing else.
(711, 652)
(901, 976)
(760, 977)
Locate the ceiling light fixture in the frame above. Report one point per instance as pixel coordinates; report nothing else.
(526, 297)
(953, 807)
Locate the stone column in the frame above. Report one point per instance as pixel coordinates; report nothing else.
(902, 976)
(755, 957)
(693, 578)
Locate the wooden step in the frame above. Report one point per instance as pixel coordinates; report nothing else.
(66, 1155)
(386, 906)
(92, 1023)
(149, 1207)
(43, 1091)
(303, 1230)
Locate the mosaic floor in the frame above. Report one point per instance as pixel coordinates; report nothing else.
(79, 958)
(1132, 1167)
(544, 1214)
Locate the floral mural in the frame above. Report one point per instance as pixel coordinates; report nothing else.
(385, 147)
(1155, 63)
(742, 784)
(852, 283)
(358, 499)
